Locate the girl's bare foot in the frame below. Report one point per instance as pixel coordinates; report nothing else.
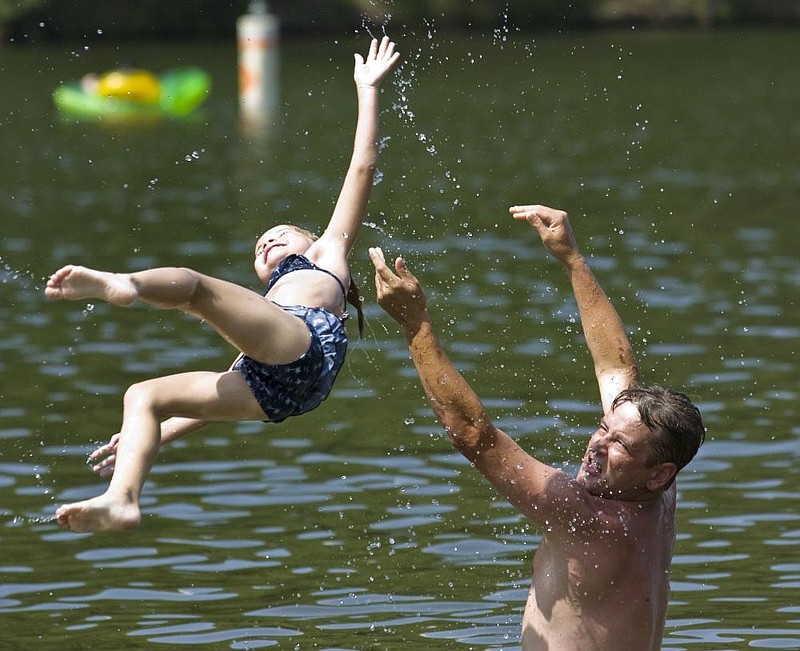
(73, 283)
(102, 513)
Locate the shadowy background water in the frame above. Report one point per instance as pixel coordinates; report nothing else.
(356, 526)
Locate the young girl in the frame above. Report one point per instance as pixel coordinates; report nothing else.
(292, 339)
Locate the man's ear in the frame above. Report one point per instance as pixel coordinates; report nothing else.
(661, 476)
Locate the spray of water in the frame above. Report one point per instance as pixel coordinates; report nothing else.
(411, 65)
(414, 64)
(22, 278)
(22, 520)
(500, 34)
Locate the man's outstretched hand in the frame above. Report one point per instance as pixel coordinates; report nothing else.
(400, 293)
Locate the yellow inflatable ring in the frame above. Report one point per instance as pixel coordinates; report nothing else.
(134, 85)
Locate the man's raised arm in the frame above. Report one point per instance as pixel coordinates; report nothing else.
(613, 357)
(522, 479)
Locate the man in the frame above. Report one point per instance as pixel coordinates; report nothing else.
(601, 573)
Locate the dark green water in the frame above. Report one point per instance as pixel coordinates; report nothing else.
(356, 526)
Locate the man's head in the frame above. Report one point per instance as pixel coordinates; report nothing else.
(675, 424)
(648, 435)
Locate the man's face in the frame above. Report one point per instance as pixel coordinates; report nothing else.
(615, 464)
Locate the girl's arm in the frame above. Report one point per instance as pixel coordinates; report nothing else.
(351, 206)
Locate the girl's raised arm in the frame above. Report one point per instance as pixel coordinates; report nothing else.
(351, 206)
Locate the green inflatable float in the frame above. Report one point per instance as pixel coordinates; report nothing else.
(131, 94)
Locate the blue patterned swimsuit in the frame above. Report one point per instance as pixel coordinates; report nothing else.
(291, 389)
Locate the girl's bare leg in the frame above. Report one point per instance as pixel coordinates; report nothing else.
(249, 322)
(208, 396)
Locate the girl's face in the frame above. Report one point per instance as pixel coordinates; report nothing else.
(274, 245)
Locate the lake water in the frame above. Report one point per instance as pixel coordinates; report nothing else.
(357, 526)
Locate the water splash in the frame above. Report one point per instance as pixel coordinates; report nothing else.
(378, 228)
(21, 520)
(500, 34)
(377, 11)
(410, 67)
(24, 279)
(195, 155)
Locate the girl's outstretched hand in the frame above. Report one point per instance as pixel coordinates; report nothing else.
(379, 62)
(102, 460)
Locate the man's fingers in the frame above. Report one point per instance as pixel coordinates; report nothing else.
(378, 260)
(523, 212)
(539, 216)
(403, 272)
(518, 212)
(383, 275)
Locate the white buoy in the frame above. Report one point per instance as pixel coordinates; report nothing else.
(257, 35)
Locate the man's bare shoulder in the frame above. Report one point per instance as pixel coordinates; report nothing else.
(576, 516)
(566, 506)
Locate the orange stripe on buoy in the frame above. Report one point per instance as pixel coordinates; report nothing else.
(261, 43)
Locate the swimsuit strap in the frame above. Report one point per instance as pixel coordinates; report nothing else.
(297, 262)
